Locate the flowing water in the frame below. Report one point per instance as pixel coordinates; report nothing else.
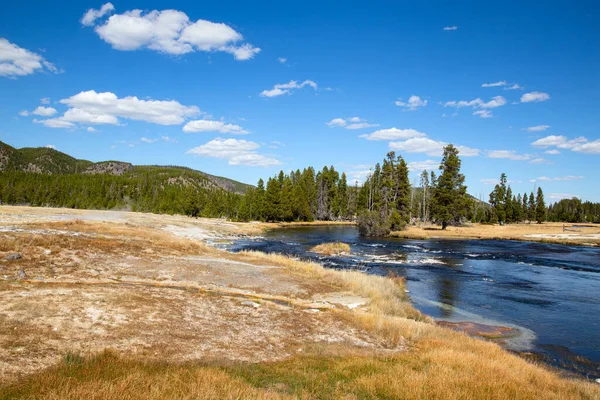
(549, 292)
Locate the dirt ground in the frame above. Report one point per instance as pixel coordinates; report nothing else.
(551, 232)
(148, 285)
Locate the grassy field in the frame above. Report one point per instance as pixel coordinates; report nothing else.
(140, 313)
(550, 232)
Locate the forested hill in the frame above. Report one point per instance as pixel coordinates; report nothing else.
(46, 160)
(46, 177)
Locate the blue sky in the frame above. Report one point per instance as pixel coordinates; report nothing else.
(244, 89)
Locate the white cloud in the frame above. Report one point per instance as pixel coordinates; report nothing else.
(479, 105)
(430, 147)
(44, 111)
(560, 196)
(146, 140)
(514, 86)
(552, 152)
(45, 100)
(51, 146)
(509, 154)
(92, 15)
(168, 139)
(213, 126)
(484, 113)
(287, 88)
(580, 144)
(91, 129)
(490, 181)
(418, 166)
(167, 31)
(504, 84)
(494, 84)
(16, 61)
(54, 123)
(393, 134)
(534, 97)
(568, 178)
(451, 28)
(350, 123)
(24, 113)
(413, 103)
(282, 60)
(537, 128)
(539, 160)
(237, 152)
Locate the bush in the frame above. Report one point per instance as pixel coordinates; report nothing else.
(373, 224)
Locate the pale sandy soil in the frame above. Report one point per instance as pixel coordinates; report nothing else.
(137, 284)
(551, 232)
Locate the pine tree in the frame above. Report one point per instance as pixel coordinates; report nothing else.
(540, 207)
(450, 194)
(531, 208)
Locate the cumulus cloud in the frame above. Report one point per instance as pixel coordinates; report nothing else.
(45, 100)
(451, 28)
(168, 139)
(580, 144)
(287, 88)
(91, 129)
(350, 123)
(430, 147)
(44, 111)
(16, 61)
(418, 166)
(106, 108)
(537, 128)
(149, 141)
(282, 60)
(534, 97)
(204, 125)
(51, 146)
(168, 31)
(508, 154)
(236, 152)
(552, 152)
(393, 134)
(413, 103)
(24, 113)
(90, 17)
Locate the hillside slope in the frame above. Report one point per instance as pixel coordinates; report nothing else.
(43, 160)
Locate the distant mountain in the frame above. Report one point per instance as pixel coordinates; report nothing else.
(44, 160)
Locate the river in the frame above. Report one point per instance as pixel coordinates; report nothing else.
(549, 292)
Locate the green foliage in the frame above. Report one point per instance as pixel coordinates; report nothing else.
(540, 207)
(450, 202)
(373, 224)
(574, 210)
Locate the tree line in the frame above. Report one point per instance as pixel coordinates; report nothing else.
(385, 201)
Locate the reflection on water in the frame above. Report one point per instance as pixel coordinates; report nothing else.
(550, 292)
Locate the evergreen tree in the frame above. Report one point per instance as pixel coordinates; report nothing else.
(531, 208)
(450, 194)
(540, 206)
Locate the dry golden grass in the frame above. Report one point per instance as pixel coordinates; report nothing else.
(331, 249)
(437, 370)
(506, 232)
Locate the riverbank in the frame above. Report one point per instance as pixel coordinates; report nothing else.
(124, 305)
(548, 232)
